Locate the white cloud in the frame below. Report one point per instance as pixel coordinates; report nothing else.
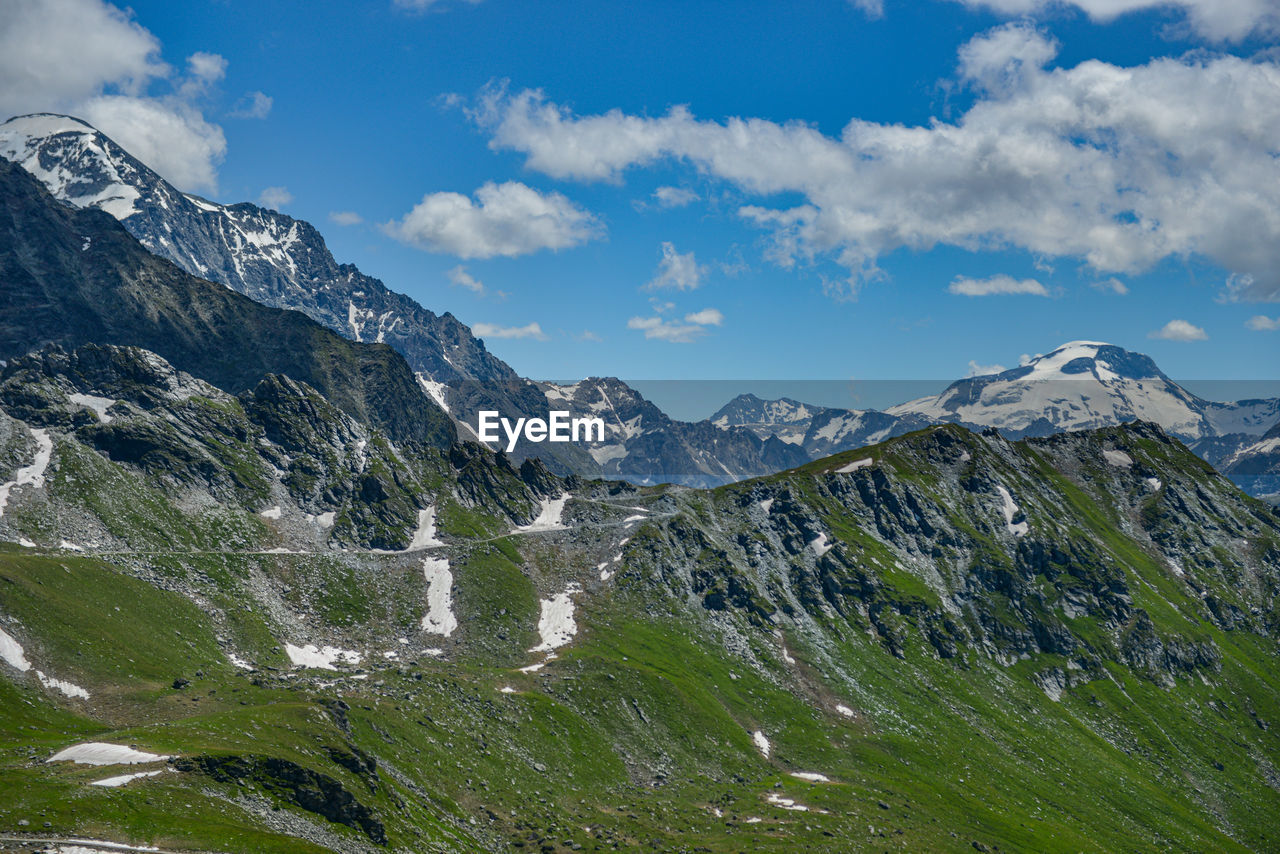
(996, 285)
(460, 278)
(588, 336)
(706, 317)
(345, 218)
(1121, 167)
(171, 137)
(675, 331)
(1113, 285)
(976, 370)
(505, 219)
(59, 52)
(91, 59)
(1262, 323)
(492, 330)
(275, 197)
(674, 197)
(1179, 330)
(254, 105)
(873, 8)
(681, 272)
(1216, 20)
(421, 6)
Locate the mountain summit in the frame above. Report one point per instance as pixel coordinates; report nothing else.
(1084, 385)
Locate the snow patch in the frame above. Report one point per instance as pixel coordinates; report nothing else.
(1119, 459)
(552, 509)
(238, 661)
(323, 657)
(811, 776)
(324, 520)
(1010, 509)
(425, 536)
(762, 743)
(439, 619)
(855, 465)
(555, 624)
(1154, 483)
(844, 710)
(69, 689)
(99, 405)
(507, 689)
(766, 505)
(786, 803)
(639, 517)
(102, 753)
(820, 545)
(32, 475)
(11, 651)
(116, 782)
(435, 390)
(70, 546)
(271, 512)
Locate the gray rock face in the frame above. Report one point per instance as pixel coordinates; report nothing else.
(73, 277)
(279, 447)
(970, 544)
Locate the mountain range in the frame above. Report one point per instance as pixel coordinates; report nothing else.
(282, 262)
(258, 594)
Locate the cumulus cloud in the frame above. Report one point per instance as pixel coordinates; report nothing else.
(1120, 167)
(996, 285)
(1111, 285)
(56, 52)
(171, 137)
(460, 278)
(254, 105)
(1216, 20)
(492, 330)
(674, 330)
(507, 219)
(674, 197)
(275, 197)
(345, 218)
(1262, 323)
(976, 370)
(681, 272)
(91, 59)
(1179, 330)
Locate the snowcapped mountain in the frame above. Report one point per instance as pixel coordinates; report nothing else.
(785, 418)
(1084, 385)
(642, 444)
(819, 430)
(1256, 467)
(268, 256)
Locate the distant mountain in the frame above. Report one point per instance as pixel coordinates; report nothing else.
(1081, 385)
(643, 445)
(820, 431)
(1084, 385)
(1256, 467)
(73, 277)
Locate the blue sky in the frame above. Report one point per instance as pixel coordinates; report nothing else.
(793, 247)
